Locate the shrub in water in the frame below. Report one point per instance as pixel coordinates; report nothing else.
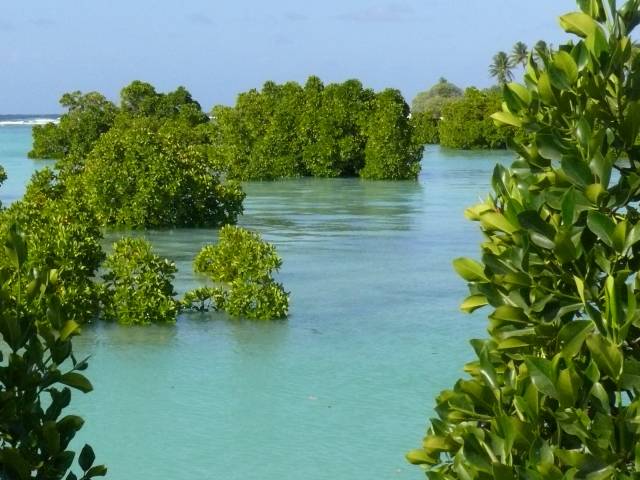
(241, 266)
(138, 287)
(554, 392)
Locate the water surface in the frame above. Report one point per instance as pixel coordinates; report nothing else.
(339, 391)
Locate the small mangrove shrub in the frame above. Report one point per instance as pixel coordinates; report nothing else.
(554, 393)
(37, 372)
(241, 265)
(138, 288)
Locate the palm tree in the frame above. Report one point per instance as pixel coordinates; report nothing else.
(520, 54)
(541, 49)
(501, 68)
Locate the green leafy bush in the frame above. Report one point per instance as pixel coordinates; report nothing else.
(466, 122)
(555, 391)
(138, 287)
(164, 178)
(62, 234)
(88, 117)
(241, 266)
(426, 128)
(37, 367)
(391, 151)
(316, 130)
(159, 146)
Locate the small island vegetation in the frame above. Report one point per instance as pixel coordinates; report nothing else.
(337, 130)
(458, 119)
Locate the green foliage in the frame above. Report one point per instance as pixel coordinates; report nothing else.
(164, 178)
(288, 130)
(335, 146)
(62, 235)
(138, 287)
(554, 392)
(466, 122)
(391, 151)
(433, 100)
(159, 146)
(241, 266)
(88, 117)
(426, 128)
(37, 367)
(140, 99)
(3, 177)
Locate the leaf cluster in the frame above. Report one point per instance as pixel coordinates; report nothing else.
(554, 392)
(37, 372)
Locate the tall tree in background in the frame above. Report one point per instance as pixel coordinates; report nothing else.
(501, 68)
(520, 54)
(541, 49)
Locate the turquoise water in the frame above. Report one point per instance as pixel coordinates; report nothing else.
(339, 391)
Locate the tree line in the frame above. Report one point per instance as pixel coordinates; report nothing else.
(286, 130)
(453, 118)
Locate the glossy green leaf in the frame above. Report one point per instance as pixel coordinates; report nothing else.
(573, 335)
(607, 356)
(77, 381)
(469, 269)
(578, 23)
(86, 458)
(543, 375)
(507, 118)
(497, 221)
(577, 170)
(473, 303)
(602, 226)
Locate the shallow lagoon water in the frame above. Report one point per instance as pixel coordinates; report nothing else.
(343, 388)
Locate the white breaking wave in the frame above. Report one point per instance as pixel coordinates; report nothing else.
(28, 121)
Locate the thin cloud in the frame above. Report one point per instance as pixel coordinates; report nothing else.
(6, 26)
(43, 22)
(200, 18)
(295, 17)
(391, 12)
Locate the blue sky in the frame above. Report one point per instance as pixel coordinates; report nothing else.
(217, 48)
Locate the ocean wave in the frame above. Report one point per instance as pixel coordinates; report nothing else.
(27, 121)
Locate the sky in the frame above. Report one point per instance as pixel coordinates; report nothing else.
(219, 48)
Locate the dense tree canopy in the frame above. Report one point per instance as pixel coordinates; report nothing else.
(433, 99)
(555, 391)
(144, 163)
(426, 110)
(391, 151)
(466, 122)
(164, 178)
(89, 116)
(289, 130)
